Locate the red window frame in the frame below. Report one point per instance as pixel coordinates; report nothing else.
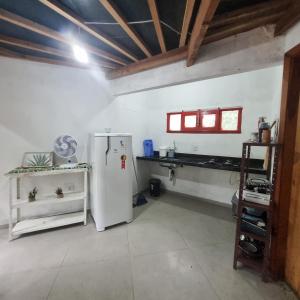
(217, 122)
(168, 122)
(189, 113)
(239, 124)
(200, 113)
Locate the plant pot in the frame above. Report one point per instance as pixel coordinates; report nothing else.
(31, 199)
(60, 195)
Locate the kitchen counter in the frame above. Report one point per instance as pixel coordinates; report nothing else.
(207, 161)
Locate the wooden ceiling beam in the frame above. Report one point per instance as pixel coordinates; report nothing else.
(117, 15)
(248, 13)
(155, 17)
(49, 50)
(45, 31)
(177, 54)
(12, 54)
(69, 15)
(186, 21)
(150, 63)
(227, 31)
(289, 19)
(205, 14)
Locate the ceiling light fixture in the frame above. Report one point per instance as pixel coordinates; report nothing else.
(80, 54)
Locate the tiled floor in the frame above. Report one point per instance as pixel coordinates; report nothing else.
(176, 248)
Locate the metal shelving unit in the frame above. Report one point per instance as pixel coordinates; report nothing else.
(259, 264)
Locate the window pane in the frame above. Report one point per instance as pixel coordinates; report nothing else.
(190, 121)
(175, 122)
(230, 120)
(209, 120)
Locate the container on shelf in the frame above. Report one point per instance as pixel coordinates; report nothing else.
(266, 136)
(163, 151)
(148, 148)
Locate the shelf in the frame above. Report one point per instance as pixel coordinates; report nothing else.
(46, 172)
(48, 200)
(255, 263)
(257, 144)
(250, 204)
(32, 225)
(253, 236)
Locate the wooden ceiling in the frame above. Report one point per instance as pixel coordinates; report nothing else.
(127, 36)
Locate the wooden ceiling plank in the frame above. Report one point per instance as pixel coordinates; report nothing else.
(205, 14)
(289, 19)
(155, 17)
(248, 13)
(58, 8)
(45, 31)
(12, 54)
(227, 31)
(118, 16)
(45, 49)
(150, 63)
(186, 21)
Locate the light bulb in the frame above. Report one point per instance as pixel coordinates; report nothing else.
(80, 54)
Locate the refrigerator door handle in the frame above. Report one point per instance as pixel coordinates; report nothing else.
(107, 149)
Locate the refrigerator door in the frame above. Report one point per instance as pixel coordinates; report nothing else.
(111, 180)
(118, 206)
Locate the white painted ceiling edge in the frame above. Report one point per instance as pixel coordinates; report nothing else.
(253, 50)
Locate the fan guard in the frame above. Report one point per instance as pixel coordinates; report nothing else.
(65, 146)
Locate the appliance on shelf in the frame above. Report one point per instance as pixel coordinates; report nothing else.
(65, 148)
(257, 190)
(111, 179)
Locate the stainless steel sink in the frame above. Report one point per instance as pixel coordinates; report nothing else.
(172, 159)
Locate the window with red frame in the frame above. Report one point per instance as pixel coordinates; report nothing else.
(219, 120)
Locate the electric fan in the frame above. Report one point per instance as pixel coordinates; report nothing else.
(65, 148)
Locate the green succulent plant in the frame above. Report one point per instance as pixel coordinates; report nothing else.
(39, 160)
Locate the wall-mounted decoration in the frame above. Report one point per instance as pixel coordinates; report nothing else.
(37, 159)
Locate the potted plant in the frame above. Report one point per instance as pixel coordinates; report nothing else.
(59, 192)
(32, 194)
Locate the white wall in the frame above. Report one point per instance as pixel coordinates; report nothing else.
(258, 92)
(40, 102)
(292, 37)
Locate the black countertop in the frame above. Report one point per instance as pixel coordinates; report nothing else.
(226, 163)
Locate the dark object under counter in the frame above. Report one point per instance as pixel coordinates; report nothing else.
(226, 163)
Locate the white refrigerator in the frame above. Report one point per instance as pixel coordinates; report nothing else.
(111, 179)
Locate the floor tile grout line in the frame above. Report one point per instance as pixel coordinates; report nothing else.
(58, 272)
(204, 274)
(196, 260)
(131, 266)
(53, 283)
(158, 252)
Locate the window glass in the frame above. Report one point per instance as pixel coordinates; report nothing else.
(175, 122)
(190, 121)
(229, 120)
(209, 120)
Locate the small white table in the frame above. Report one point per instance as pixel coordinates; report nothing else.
(18, 227)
